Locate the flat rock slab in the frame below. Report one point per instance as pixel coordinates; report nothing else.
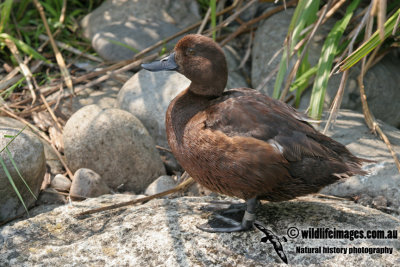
(162, 232)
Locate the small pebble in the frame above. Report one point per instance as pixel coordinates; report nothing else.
(86, 183)
(61, 183)
(161, 184)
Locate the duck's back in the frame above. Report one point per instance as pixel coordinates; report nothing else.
(246, 144)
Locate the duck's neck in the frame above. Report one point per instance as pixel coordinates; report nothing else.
(186, 105)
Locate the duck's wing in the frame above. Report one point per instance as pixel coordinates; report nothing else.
(248, 113)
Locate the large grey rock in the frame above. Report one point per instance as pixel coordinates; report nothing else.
(137, 24)
(163, 233)
(7, 122)
(28, 154)
(104, 95)
(382, 88)
(383, 178)
(51, 158)
(147, 96)
(381, 81)
(235, 77)
(113, 143)
(268, 40)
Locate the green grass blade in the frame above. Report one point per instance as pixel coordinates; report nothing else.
(297, 14)
(24, 47)
(163, 50)
(6, 93)
(12, 183)
(49, 9)
(304, 15)
(308, 16)
(304, 68)
(303, 79)
(16, 168)
(5, 13)
(328, 53)
(15, 136)
(213, 6)
(370, 44)
(22, 8)
(281, 74)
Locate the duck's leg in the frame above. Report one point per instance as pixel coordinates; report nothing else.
(234, 219)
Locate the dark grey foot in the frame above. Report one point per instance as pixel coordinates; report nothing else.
(235, 218)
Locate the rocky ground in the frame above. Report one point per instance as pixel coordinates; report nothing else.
(163, 233)
(114, 142)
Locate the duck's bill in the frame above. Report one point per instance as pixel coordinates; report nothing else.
(167, 63)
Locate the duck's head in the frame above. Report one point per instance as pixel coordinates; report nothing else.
(201, 60)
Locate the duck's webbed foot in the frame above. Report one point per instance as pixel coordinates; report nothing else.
(233, 218)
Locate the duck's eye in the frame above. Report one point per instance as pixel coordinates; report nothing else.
(190, 51)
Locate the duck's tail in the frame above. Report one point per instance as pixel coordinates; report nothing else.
(354, 165)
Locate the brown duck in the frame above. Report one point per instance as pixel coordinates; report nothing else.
(240, 142)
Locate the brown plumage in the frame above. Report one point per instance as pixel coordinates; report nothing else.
(242, 143)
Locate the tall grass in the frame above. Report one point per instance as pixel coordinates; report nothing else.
(336, 44)
(20, 22)
(213, 6)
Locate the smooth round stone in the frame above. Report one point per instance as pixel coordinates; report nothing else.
(114, 144)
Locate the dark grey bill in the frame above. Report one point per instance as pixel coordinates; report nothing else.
(167, 63)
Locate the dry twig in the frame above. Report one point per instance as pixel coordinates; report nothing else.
(163, 148)
(231, 18)
(71, 49)
(247, 24)
(204, 22)
(59, 57)
(23, 67)
(248, 51)
(10, 79)
(369, 118)
(191, 27)
(181, 187)
(51, 90)
(125, 65)
(53, 116)
(339, 95)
